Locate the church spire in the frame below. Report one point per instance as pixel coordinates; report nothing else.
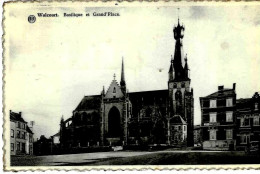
(171, 70)
(122, 82)
(186, 67)
(178, 57)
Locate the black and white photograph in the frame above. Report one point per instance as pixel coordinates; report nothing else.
(121, 85)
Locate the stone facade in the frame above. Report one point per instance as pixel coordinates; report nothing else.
(118, 117)
(228, 123)
(21, 136)
(248, 122)
(218, 119)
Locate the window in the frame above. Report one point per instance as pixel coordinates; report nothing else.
(184, 128)
(213, 104)
(229, 102)
(213, 117)
(12, 133)
(229, 116)
(23, 135)
(18, 146)
(256, 120)
(179, 127)
(114, 90)
(31, 149)
(18, 124)
(256, 106)
(18, 134)
(244, 139)
(212, 135)
(23, 147)
(174, 85)
(244, 122)
(12, 146)
(30, 138)
(229, 134)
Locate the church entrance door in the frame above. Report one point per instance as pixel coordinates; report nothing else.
(114, 128)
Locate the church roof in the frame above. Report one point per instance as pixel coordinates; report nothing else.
(89, 102)
(138, 99)
(149, 97)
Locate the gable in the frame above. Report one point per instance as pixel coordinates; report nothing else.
(114, 91)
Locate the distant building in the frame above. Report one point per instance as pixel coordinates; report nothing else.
(179, 131)
(197, 135)
(248, 126)
(21, 136)
(56, 138)
(43, 146)
(218, 119)
(118, 117)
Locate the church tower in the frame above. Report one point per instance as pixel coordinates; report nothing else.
(180, 93)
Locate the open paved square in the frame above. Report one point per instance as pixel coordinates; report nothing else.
(138, 158)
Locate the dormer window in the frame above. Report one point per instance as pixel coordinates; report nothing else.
(114, 90)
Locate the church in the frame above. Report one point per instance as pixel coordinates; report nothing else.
(117, 117)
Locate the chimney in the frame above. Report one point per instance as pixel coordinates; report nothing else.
(234, 86)
(20, 114)
(220, 88)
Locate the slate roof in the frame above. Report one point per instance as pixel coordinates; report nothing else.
(138, 99)
(16, 117)
(177, 119)
(57, 134)
(29, 130)
(149, 97)
(243, 104)
(221, 93)
(89, 103)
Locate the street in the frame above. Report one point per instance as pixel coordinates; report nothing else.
(138, 158)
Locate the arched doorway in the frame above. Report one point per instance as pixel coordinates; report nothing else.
(114, 129)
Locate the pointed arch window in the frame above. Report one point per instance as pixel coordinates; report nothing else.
(114, 90)
(178, 98)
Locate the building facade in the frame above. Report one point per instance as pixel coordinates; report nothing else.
(248, 126)
(197, 135)
(21, 136)
(218, 119)
(118, 117)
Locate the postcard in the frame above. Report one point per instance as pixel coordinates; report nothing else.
(131, 85)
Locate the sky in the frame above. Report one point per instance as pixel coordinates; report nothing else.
(52, 64)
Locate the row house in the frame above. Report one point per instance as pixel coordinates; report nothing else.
(248, 126)
(218, 120)
(21, 136)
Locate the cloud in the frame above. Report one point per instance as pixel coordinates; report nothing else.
(197, 12)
